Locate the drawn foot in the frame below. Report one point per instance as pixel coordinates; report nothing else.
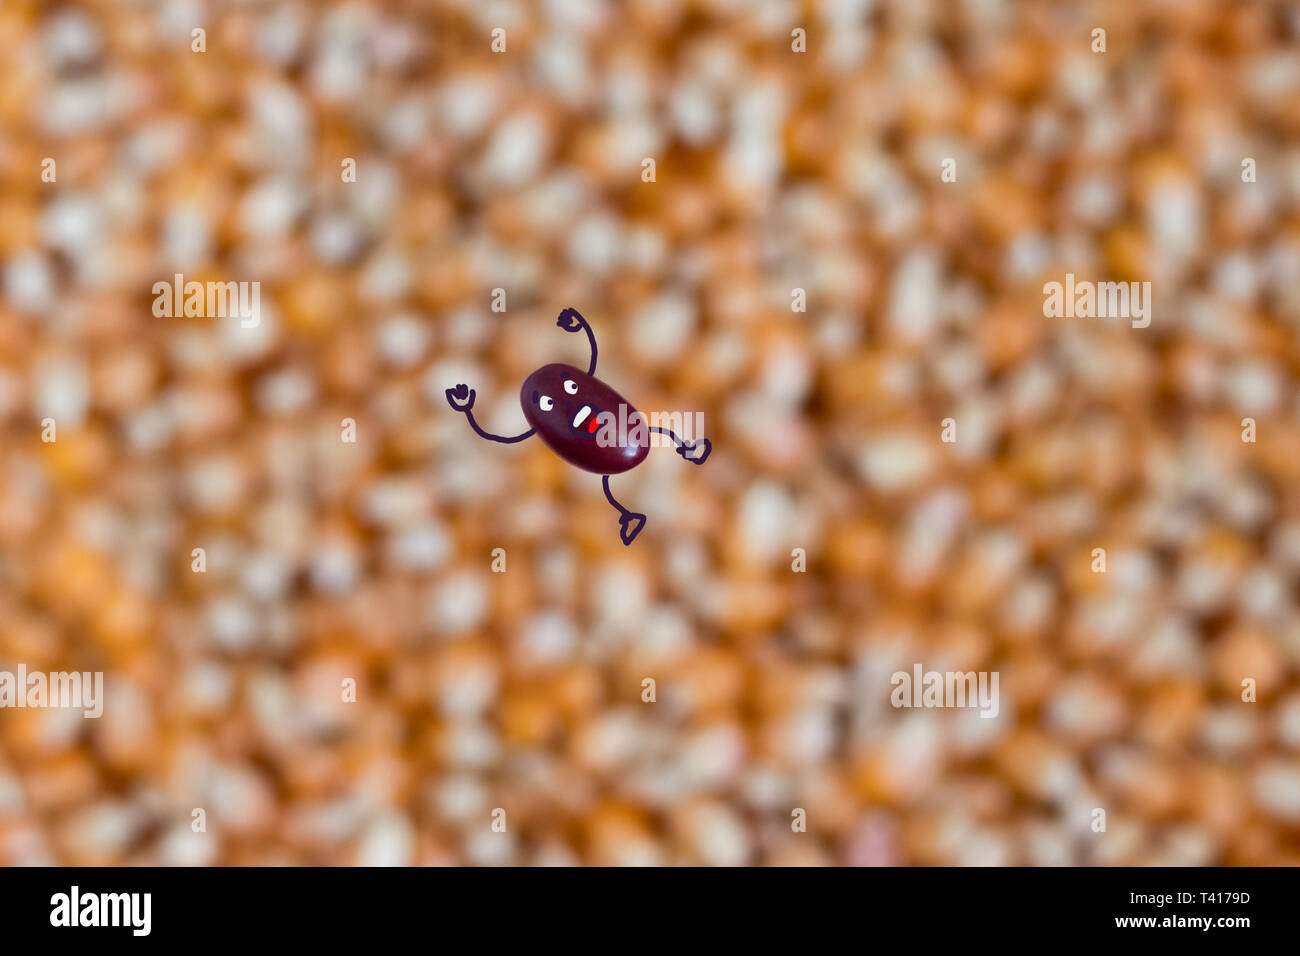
(630, 525)
(695, 451)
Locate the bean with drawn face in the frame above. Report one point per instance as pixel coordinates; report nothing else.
(565, 406)
(577, 415)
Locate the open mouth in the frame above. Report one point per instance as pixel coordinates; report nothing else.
(586, 414)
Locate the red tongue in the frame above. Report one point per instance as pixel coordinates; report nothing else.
(595, 423)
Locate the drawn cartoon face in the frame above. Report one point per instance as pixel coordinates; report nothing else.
(566, 406)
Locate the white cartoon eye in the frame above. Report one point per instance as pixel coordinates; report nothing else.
(546, 403)
(571, 386)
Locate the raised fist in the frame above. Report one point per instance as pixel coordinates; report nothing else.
(460, 398)
(570, 320)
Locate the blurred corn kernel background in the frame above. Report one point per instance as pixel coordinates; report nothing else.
(381, 168)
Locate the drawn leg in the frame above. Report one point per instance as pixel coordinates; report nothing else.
(630, 523)
(693, 451)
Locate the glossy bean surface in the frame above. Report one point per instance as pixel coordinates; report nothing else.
(578, 418)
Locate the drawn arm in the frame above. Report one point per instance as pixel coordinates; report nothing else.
(461, 398)
(571, 320)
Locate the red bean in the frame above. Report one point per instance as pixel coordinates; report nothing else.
(578, 417)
